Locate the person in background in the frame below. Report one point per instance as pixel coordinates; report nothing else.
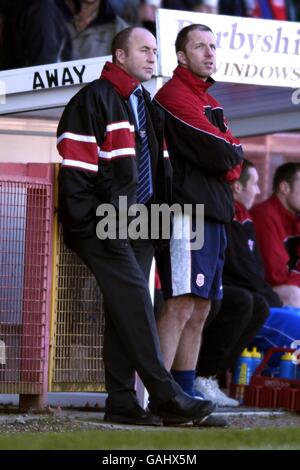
(120, 5)
(92, 24)
(110, 137)
(277, 227)
(205, 6)
(34, 33)
(147, 13)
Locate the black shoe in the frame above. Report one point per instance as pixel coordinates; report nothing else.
(212, 421)
(183, 408)
(132, 415)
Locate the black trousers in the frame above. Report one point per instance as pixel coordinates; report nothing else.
(131, 341)
(230, 327)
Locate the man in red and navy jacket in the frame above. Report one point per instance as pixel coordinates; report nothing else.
(104, 134)
(206, 158)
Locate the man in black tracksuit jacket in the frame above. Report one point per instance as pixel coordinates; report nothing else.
(100, 144)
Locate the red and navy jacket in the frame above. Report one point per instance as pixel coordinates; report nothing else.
(243, 262)
(278, 234)
(100, 146)
(204, 154)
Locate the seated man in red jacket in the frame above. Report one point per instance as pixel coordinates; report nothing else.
(277, 227)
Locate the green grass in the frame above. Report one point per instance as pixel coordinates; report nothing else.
(280, 438)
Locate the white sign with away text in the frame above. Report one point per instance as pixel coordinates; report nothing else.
(61, 74)
(252, 51)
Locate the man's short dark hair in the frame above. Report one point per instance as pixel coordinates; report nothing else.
(285, 172)
(120, 41)
(182, 36)
(245, 175)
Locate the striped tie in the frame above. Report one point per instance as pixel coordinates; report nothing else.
(144, 190)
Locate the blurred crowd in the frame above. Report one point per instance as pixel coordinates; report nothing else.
(34, 32)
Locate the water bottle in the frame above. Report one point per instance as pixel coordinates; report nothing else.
(287, 369)
(243, 369)
(296, 360)
(256, 360)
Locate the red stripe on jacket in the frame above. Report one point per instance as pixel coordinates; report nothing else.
(118, 139)
(78, 151)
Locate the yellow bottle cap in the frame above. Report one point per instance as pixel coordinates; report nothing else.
(255, 353)
(246, 353)
(286, 356)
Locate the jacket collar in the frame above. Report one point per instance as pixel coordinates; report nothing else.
(124, 83)
(191, 80)
(241, 214)
(285, 212)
